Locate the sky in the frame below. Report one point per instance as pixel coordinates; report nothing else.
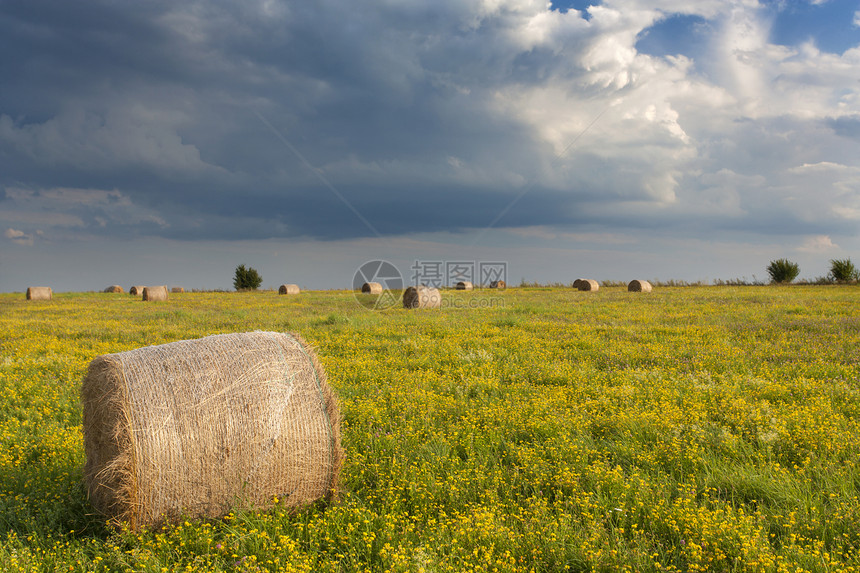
(168, 141)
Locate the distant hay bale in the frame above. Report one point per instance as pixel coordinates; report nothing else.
(588, 285)
(421, 297)
(500, 284)
(177, 290)
(577, 282)
(371, 288)
(155, 293)
(465, 285)
(637, 285)
(289, 289)
(39, 293)
(194, 427)
(136, 290)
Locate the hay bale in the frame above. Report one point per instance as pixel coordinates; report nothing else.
(177, 290)
(114, 288)
(577, 282)
(39, 293)
(289, 289)
(421, 297)
(196, 426)
(589, 285)
(155, 293)
(371, 288)
(136, 290)
(637, 285)
(465, 285)
(500, 284)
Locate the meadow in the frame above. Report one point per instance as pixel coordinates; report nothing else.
(689, 429)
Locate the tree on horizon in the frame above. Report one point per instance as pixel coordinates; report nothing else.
(247, 278)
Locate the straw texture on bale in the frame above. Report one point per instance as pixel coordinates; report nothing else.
(421, 297)
(465, 285)
(137, 290)
(39, 293)
(588, 284)
(498, 284)
(372, 288)
(155, 293)
(637, 285)
(289, 289)
(577, 282)
(197, 426)
(114, 288)
(177, 289)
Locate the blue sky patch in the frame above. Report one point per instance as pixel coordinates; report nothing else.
(830, 25)
(676, 35)
(582, 5)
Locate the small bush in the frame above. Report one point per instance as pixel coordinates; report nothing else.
(782, 271)
(843, 271)
(247, 279)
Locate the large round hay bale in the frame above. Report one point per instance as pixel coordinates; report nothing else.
(177, 290)
(589, 285)
(136, 290)
(421, 297)
(155, 293)
(196, 426)
(289, 289)
(500, 284)
(114, 288)
(465, 285)
(637, 285)
(371, 288)
(577, 282)
(39, 293)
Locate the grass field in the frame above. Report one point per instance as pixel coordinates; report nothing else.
(690, 429)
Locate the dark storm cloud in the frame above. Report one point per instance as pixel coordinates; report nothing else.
(846, 126)
(158, 100)
(319, 215)
(54, 50)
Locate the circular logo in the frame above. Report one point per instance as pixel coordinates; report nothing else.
(377, 285)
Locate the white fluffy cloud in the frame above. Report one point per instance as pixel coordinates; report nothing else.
(19, 237)
(668, 127)
(817, 244)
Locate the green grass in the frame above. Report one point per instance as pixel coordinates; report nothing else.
(695, 428)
